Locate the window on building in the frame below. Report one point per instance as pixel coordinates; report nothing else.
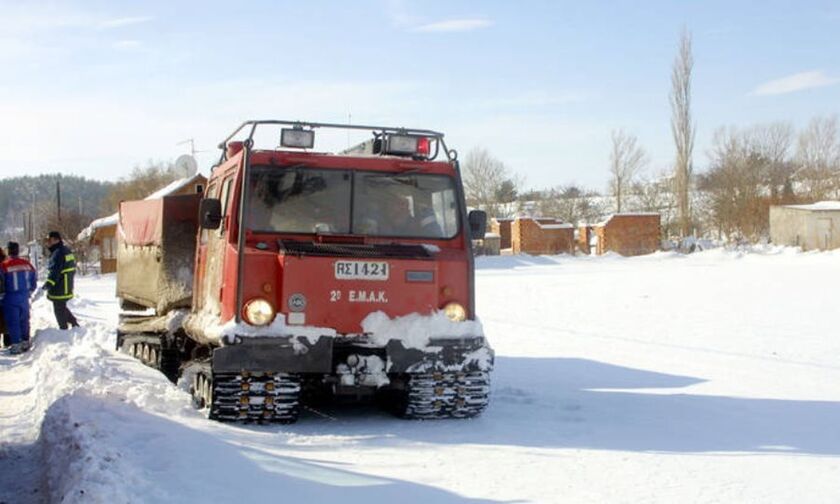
(108, 249)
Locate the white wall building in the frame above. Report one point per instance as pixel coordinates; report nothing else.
(815, 226)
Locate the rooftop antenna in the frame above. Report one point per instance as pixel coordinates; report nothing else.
(186, 163)
(190, 141)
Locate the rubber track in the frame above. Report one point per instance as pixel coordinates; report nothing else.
(438, 395)
(254, 397)
(166, 358)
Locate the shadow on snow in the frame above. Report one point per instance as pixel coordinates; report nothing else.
(577, 403)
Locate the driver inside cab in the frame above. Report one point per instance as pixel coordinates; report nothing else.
(397, 219)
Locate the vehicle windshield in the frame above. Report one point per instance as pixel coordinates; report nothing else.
(303, 200)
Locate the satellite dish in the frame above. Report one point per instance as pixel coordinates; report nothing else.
(187, 165)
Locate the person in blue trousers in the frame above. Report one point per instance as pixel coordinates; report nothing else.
(6, 342)
(19, 282)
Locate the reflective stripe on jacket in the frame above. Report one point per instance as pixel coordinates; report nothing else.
(62, 270)
(19, 277)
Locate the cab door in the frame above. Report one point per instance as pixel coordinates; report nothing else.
(211, 252)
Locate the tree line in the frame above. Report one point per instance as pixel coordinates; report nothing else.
(29, 205)
(749, 170)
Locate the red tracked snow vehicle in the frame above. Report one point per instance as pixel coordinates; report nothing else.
(299, 273)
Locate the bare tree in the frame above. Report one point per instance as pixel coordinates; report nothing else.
(655, 194)
(737, 183)
(69, 225)
(682, 128)
(772, 143)
(571, 203)
(818, 157)
(627, 157)
(142, 182)
(488, 183)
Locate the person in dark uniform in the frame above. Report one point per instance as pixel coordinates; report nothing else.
(59, 284)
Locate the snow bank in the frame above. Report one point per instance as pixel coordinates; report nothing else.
(79, 384)
(81, 467)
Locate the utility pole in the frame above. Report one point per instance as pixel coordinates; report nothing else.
(58, 198)
(31, 212)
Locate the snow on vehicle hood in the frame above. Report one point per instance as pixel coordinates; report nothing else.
(416, 331)
(225, 333)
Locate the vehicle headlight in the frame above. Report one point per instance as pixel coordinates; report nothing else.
(455, 312)
(259, 312)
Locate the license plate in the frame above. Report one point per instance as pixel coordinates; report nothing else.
(361, 270)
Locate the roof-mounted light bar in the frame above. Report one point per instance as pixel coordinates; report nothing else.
(406, 145)
(297, 138)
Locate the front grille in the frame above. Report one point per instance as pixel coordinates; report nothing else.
(396, 251)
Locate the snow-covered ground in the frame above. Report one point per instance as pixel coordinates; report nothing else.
(713, 377)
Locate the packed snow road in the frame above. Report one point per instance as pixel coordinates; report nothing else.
(706, 378)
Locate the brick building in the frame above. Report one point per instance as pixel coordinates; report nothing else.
(584, 239)
(541, 236)
(501, 227)
(625, 234)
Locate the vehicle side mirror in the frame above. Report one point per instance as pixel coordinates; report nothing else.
(478, 224)
(210, 213)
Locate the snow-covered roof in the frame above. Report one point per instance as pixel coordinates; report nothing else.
(820, 206)
(101, 222)
(628, 214)
(112, 219)
(556, 225)
(173, 187)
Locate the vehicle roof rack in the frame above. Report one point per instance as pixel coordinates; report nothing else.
(377, 131)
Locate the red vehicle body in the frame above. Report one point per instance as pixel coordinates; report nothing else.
(277, 313)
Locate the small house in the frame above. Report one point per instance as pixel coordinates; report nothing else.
(808, 226)
(541, 236)
(628, 234)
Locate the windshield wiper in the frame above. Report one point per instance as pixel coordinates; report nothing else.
(407, 171)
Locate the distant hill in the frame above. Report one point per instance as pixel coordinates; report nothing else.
(82, 200)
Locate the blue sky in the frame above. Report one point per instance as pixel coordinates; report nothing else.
(94, 88)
